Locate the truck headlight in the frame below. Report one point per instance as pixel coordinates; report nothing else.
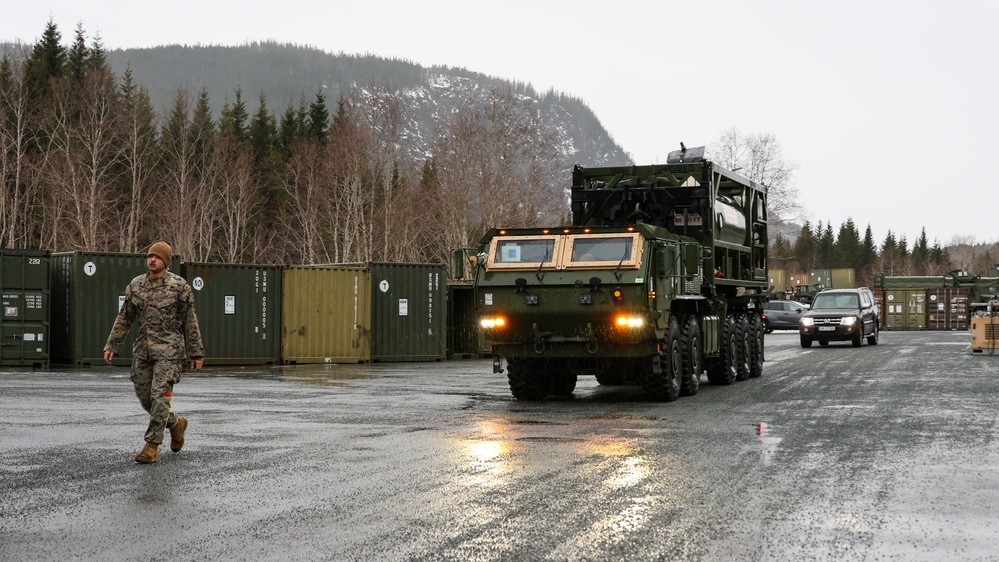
(848, 320)
(629, 321)
(493, 322)
(807, 322)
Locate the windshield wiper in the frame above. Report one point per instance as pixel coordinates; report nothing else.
(617, 270)
(542, 264)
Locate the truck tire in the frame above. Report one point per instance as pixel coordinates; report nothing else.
(806, 341)
(527, 382)
(693, 366)
(664, 386)
(756, 337)
(562, 384)
(722, 370)
(745, 347)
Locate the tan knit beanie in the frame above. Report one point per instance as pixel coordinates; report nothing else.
(163, 250)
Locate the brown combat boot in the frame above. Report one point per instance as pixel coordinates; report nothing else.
(148, 454)
(177, 434)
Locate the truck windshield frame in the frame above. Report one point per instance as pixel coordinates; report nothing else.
(526, 253)
(603, 251)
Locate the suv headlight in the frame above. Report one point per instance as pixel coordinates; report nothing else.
(848, 320)
(807, 321)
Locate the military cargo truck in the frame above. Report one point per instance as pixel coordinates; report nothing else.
(660, 277)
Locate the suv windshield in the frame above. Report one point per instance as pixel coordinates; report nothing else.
(836, 302)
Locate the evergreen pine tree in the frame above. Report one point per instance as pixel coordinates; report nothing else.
(848, 251)
(46, 62)
(319, 118)
(805, 248)
(78, 55)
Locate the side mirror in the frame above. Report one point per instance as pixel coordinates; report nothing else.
(691, 258)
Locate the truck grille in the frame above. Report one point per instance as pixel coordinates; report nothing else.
(827, 321)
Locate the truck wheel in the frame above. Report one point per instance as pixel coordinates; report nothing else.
(806, 341)
(562, 384)
(527, 382)
(690, 344)
(665, 385)
(858, 338)
(756, 339)
(722, 370)
(745, 347)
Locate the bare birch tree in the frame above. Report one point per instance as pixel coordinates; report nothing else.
(760, 158)
(140, 155)
(17, 194)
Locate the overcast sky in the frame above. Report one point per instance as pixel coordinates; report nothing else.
(888, 108)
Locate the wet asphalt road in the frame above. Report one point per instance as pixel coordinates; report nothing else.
(838, 453)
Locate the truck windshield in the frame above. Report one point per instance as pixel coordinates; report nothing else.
(602, 249)
(525, 251)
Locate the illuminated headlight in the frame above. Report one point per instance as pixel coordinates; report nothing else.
(492, 322)
(629, 321)
(848, 320)
(807, 321)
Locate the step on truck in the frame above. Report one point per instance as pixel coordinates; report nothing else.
(660, 278)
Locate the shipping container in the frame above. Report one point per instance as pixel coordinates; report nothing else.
(325, 314)
(820, 279)
(905, 309)
(88, 290)
(796, 280)
(778, 280)
(408, 312)
(239, 311)
(24, 317)
(843, 278)
(947, 308)
(22, 270)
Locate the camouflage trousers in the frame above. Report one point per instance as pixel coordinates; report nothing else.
(153, 381)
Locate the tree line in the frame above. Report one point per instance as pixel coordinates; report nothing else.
(87, 164)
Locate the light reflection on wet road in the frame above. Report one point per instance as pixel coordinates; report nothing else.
(885, 452)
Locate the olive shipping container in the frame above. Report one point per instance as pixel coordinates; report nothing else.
(325, 314)
(24, 322)
(88, 289)
(820, 279)
(905, 309)
(778, 280)
(239, 311)
(354, 313)
(796, 280)
(843, 278)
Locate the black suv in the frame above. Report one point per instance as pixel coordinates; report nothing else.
(841, 315)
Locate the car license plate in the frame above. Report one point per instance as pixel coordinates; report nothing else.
(827, 328)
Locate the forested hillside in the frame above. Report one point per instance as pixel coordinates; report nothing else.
(275, 154)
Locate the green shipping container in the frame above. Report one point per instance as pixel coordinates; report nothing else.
(905, 309)
(325, 314)
(843, 278)
(88, 290)
(778, 280)
(820, 279)
(239, 311)
(408, 312)
(24, 317)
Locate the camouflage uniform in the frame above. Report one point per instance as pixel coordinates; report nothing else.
(166, 334)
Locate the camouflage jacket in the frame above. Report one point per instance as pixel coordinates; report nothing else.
(167, 327)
